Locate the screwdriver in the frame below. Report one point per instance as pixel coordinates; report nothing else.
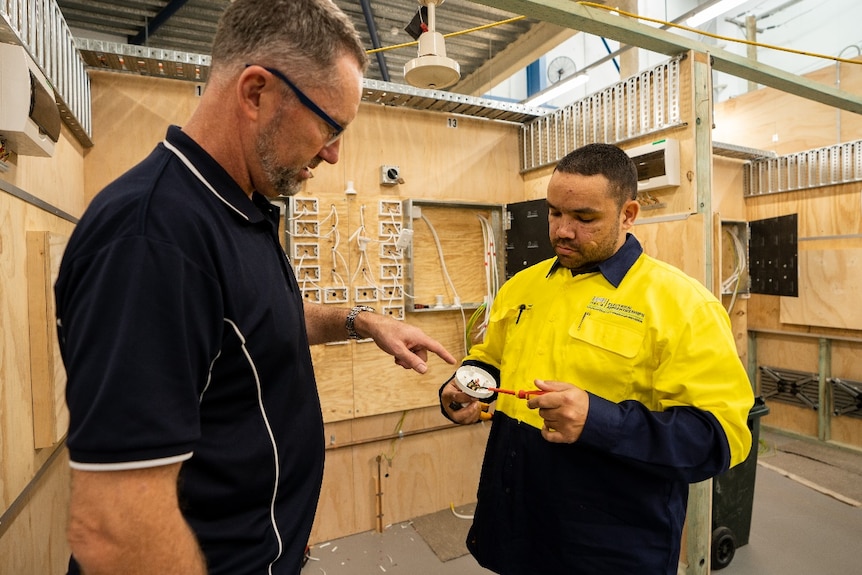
(521, 393)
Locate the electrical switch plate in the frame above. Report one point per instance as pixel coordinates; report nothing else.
(301, 206)
(391, 292)
(390, 250)
(364, 294)
(393, 311)
(391, 271)
(308, 273)
(390, 229)
(389, 207)
(389, 175)
(311, 295)
(335, 295)
(305, 251)
(305, 228)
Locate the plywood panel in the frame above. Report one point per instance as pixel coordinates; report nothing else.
(728, 188)
(787, 352)
(334, 374)
(847, 360)
(846, 364)
(35, 541)
(47, 376)
(826, 211)
(457, 270)
(829, 289)
(32, 541)
(769, 119)
(791, 418)
(846, 430)
(382, 387)
(678, 242)
(477, 161)
(420, 474)
(58, 180)
(131, 115)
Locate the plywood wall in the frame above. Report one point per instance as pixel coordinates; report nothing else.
(364, 395)
(373, 409)
(32, 534)
(768, 119)
(830, 222)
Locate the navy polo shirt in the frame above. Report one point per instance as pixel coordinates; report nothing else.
(182, 330)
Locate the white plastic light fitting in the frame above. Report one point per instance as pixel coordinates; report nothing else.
(432, 69)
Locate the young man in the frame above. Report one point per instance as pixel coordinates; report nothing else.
(196, 435)
(644, 392)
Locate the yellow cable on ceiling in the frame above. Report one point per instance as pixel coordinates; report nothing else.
(718, 37)
(638, 17)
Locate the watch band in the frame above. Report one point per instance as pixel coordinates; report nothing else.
(351, 320)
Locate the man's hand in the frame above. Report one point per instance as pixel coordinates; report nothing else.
(408, 344)
(460, 407)
(564, 408)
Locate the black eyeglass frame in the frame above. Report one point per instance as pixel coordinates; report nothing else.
(337, 128)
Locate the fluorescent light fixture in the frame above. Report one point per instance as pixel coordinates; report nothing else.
(713, 11)
(557, 89)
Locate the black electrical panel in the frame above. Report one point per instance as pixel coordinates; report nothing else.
(527, 240)
(773, 256)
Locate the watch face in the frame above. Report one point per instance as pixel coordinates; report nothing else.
(474, 381)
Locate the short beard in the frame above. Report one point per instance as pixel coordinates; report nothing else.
(283, 181)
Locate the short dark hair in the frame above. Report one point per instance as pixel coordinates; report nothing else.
(608, 161)
(302, 36)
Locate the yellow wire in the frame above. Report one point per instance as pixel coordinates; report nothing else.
(716, 36)
(449, 35)
(393, 443)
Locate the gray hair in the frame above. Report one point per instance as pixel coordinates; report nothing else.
(303, 37)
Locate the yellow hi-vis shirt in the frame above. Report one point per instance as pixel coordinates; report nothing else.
(660, 338)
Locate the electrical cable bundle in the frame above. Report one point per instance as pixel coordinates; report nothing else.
(732, 283)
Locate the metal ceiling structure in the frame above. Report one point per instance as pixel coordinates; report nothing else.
(172, 39)
(189, 26)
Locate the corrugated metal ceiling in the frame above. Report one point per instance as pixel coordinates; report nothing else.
(189, 25)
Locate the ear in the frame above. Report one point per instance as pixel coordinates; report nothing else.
(629, 213)
(250, 88)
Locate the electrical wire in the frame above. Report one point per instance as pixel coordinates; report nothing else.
(456, 301)
(734, 281)
(717, 36)
(458, 515)
(362, 241)
(336, 278)
(393, 444)
(475, 329)
(446, 276)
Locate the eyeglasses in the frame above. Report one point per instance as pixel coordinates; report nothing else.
(337, 129)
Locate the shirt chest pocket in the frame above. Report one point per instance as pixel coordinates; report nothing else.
(609, 334)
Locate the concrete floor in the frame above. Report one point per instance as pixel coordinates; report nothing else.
(806, 520)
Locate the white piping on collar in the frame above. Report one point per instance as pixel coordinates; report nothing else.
(199, 176)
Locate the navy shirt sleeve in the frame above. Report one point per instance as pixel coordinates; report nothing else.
(683, 443)
(126, 341)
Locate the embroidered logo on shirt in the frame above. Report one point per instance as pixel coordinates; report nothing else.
(604, 305)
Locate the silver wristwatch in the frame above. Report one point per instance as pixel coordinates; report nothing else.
(351, 320)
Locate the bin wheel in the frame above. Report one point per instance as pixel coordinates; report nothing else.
(723, 547)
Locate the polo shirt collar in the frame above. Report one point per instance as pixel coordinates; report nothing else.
(224, 185)
(615, 268)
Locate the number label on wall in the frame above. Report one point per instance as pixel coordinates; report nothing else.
(452, 122)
